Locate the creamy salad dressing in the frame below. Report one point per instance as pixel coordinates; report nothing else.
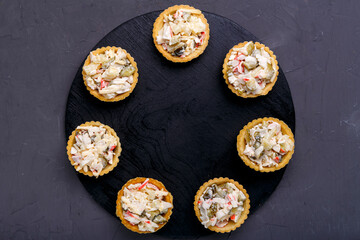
(266, 144)
(110, 73)
(93, 149)
(220, 204)
(250, 69)
(183, 32)
(143, 205)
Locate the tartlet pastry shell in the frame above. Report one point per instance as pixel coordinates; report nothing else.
(118, 97)
(268, 86)
(117, 150)
(159, 23)
(119, 211)
(241, 144)
(231, 226)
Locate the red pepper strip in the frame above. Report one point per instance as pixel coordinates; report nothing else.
(202, 37)
(282, 150)
(276, 159)
(171, 32)
(113, 147)
(103, 84)
(129, 213)
(148, 222)
(152, 186)
(144, 184)
(240, 66)
(246, 79)
(199, 202)
(237, 57)
(257, 76)
(232, 217)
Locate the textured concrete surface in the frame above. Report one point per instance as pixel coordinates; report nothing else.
(42, 44)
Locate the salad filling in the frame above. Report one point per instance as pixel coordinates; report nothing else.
(220, 204)
(266, 144)
(143, 205)
(110, 73)
(93, 149)
(250, 69)
(182, 33)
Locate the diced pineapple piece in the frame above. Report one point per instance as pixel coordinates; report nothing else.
(174, 40)
(251, 84)
(250, 62)
(111, 73)
(268, 72)
(249, 48)
(91, 68)
(256, 71)
(266, 143)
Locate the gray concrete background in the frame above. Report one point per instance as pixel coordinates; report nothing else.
(42, 44)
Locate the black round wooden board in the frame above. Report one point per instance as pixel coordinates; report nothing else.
(180, 124)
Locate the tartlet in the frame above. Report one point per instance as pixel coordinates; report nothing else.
(242, 203)
(277, 149)
(123, 202)
(110, 74)
(109, 155)
(250, 71)
(194, 29)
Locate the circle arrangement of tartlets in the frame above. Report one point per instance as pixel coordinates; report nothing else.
(119, 210)
(118, 97)
(241, 139)
(268, 86)
(231, 226)
(159, 22)
(117, 150)
(241, 144)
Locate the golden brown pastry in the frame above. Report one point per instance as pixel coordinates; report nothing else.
(250, 69)
(93, 149)
(266, 144)
(110, 74)
(181, 33)
(222, 205)
(144, 205)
